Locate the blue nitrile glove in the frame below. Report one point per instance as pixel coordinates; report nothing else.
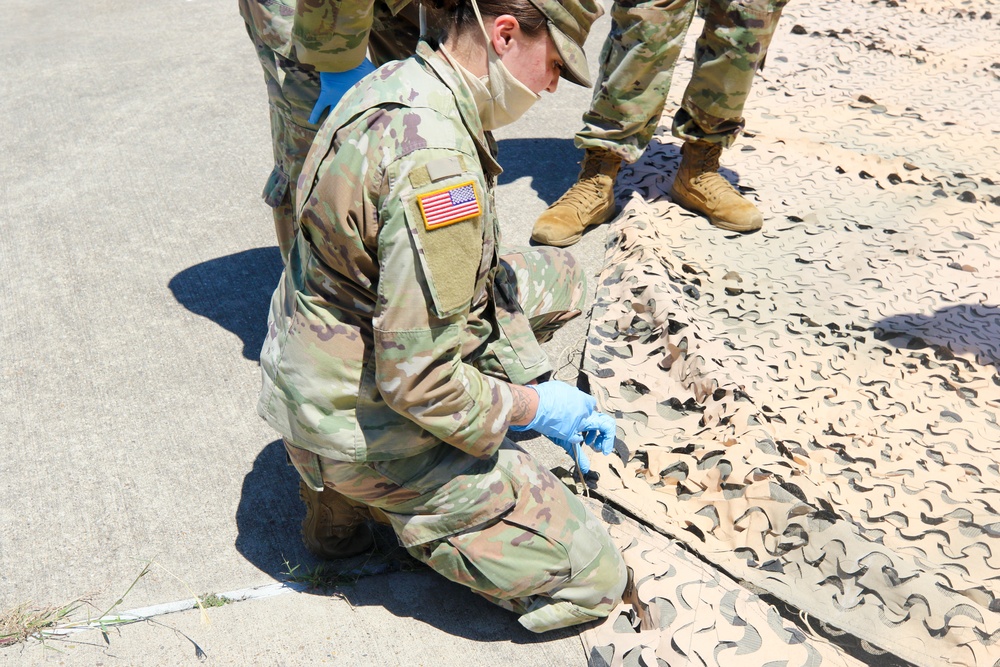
(333, 85)
(565, 414)
(598, 432)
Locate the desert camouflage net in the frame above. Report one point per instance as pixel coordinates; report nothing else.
(682, 611)
(813, 408)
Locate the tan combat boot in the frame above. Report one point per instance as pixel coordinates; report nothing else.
(335, 526)
(591, 201)
(699, 187)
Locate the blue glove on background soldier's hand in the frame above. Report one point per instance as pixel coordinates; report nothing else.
(565, 414)
(333, 85)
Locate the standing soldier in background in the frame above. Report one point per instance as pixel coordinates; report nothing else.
(312, 52)
(637, 62)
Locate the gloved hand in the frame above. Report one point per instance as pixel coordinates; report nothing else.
(598, 432)
(333, 85)
(568, 417)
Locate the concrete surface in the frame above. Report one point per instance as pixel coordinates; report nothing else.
(413, 619)
(136, 263)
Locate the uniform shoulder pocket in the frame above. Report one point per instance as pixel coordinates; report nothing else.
(445, 219)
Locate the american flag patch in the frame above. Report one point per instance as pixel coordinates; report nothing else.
(444, 207)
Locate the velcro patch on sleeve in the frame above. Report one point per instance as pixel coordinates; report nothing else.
(446, 167)
(449, 205)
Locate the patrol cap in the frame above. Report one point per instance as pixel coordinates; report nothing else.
(569, 23)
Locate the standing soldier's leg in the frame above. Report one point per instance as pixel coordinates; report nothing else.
(292, 91)
(393, 36)
(636, 65)
(728, 54)
(637, 61)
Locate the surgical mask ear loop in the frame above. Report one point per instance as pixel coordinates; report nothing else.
(482, 26)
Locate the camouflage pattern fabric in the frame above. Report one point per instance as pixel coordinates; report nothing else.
(637, 62)
(504, 526)
(813, 408)
(376, 331)
(549, 287)
(291, 93)
(326, 35)
(291, 73)
(377, 318)
(682, 611)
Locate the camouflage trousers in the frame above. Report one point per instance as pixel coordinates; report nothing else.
(503, 526)
(533, 549)
(637, 62)
(292, 91)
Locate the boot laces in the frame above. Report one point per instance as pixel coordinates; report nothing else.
(713, 184)
(583, 192)
(588, 187)
(704, 156)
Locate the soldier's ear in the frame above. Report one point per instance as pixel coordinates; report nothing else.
(505, 29)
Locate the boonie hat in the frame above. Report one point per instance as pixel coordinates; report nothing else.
(569, 23)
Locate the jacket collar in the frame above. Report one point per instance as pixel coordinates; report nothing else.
(466, 106)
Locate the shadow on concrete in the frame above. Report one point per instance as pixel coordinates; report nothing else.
(551, 164)
(428, 597)
(269, 515)
(958, 329)
(234, 292)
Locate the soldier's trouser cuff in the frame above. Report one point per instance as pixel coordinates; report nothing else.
(730, 51)
(550, 614)
(721, 131)
(636, 66)
(628, 147)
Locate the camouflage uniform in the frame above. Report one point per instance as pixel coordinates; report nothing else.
(391, 341)
(637, 61)
(297, 40)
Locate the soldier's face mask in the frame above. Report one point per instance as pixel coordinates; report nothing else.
(500, 97)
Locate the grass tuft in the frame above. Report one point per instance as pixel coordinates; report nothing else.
(24, 621)
(327, 576)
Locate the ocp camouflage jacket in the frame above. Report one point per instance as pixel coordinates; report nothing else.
(386, 309)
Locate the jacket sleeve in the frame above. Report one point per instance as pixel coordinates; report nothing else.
(332, 35)
(434, 258)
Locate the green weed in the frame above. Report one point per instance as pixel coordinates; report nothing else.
(209, 600)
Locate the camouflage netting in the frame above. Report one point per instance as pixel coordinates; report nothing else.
(686, 612)
(813, 408)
